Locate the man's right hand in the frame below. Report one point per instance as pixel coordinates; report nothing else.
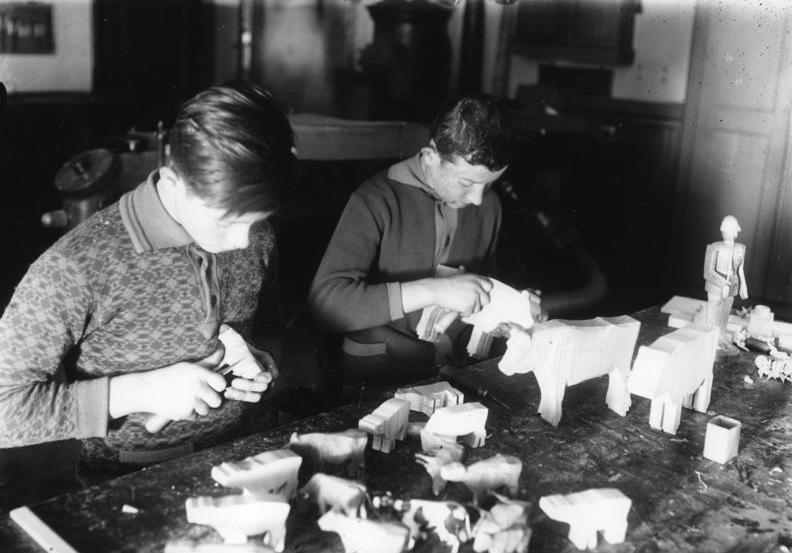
(178, 391)
(464, 293)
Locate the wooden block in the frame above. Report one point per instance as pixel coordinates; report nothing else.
(722, 440)
(387, 423)
(39, 531)
(429, 398)
(363, 536)
(267, 474)
(236, 517)
(590, 511)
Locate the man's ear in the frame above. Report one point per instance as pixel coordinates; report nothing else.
(430, 153)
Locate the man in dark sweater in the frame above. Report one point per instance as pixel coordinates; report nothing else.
(418, 235)
(120, 326)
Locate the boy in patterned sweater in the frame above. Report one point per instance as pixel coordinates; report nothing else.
(120, 326)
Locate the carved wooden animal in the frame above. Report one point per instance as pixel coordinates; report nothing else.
(429, 398)
(563, 353)
(675, 371)
(338, 494)
(332, 451)
(485, 475)
(433, 461)
(445, 425)
(504, 528)
(506, 305)
(268, 473)
(363, 536)
(448, 519)
(236, 517)
(386, 424)
(587, 512)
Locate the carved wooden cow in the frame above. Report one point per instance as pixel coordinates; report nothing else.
(386, 424)
(562, 353)
(266, 474)
(337, 494)
(485, 475)
(332, 451)
(675, 371)
(428, 398)
(359, 535)
(589, 511)
(467, 421)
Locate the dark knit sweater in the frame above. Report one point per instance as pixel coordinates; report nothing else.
(122, 292)
(388, 234)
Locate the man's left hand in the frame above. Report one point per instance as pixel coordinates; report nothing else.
(254, 373)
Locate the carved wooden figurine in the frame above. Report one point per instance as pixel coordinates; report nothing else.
(268, 473)
(332, 452)
(360, 535)
(429, 398)
(236, 517)
(433, 461)
(504, 528)
(587, 512)
(562, 353)
(467, 421)
(338, 494)
(724, 277)
(676, 371)
(506, 305)
(448, 519)
(386, 424)
(485, 475)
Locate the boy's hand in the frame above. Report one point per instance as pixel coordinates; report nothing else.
(254, 374)
(465, 293)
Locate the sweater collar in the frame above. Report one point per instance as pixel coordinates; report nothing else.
(411, 172)
(147, 222)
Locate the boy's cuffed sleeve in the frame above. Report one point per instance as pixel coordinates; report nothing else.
(92, 399)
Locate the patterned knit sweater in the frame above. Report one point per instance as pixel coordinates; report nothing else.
(125, 291)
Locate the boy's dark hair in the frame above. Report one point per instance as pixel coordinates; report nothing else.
(234, 147)
(476, 129)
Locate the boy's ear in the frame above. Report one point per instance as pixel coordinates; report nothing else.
(170, 181)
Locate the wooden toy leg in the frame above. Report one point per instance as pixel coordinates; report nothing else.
(656, 414)
(582, 535)
(701, 399)
(618, 396)
(615, 532)
(672, 413)
(551, 391)
(687, 401)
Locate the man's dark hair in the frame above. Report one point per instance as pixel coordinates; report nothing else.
(476, 129)
(234, 147)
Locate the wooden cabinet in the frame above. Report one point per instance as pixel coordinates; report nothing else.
(589, 31)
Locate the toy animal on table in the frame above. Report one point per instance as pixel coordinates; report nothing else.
(338, 494)
(434, 461)
(504, 528)
(485, 475)
(587, 512)
(448, 519)
(236, 517)
(676, 371)
(269, 473)
(506, 305)
(562, 353)
(386, 424)
(429, 398)
(467, 421)
(360, 535)
(332, 451)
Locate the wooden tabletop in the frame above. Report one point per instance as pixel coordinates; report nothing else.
(680, 500)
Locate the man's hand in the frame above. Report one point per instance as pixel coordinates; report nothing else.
(254, 375)
(464, 293)
(178, 391)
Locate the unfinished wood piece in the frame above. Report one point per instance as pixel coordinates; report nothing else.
(722, 440)
(363, 536)
(266, 474)
(433, 461)
(449, 520)
(589, 511)
(37, 529)
(675, 371)
(332, 452)
(504, 528)
(429, 398)
(466, 421)
(386, 424)
(724, 276)
(485, 475)
(336, 494)
(563, 353)
(506, 305)
(236, 517)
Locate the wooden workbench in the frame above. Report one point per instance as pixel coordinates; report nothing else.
(681, 501)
